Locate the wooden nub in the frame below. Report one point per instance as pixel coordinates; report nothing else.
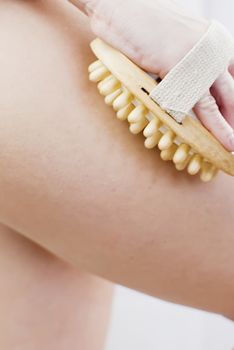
(140, 84)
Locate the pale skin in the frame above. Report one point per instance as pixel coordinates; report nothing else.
(46, 303)
(74, 181)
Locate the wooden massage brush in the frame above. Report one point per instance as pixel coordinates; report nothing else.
(126, 88)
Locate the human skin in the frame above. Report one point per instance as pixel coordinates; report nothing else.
(76, 182)
(46, 303)
(156, 35)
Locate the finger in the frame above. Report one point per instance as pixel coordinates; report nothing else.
(79, 4)
(210, 116)
(86, 6)
(223, 92)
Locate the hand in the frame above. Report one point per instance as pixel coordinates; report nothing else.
(156, 35)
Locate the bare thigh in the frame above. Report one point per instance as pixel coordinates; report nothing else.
(46, 303)
(73, 180)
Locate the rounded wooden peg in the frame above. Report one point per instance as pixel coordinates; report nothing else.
(136, 128)
(108, 85)
(122, 101)
(181, 154)
(152, 127)
(195, 164)
(166, 140)
(153, 140)
(123, 113)
(95, 65)
(99, 74)
(137, 115)
(181, 166)
(208, 171)
(168, 154)
(109, 99)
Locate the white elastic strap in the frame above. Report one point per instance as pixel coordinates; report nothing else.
(192, 77)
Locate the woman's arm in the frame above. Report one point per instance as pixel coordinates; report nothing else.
(75, 181)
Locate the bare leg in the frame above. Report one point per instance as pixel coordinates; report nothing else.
(75, 181)
(47, 304)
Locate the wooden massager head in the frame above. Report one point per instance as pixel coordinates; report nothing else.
(126, 87)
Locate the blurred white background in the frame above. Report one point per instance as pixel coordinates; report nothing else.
(140, 322)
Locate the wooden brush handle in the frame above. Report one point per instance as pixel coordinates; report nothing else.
(139, 83)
